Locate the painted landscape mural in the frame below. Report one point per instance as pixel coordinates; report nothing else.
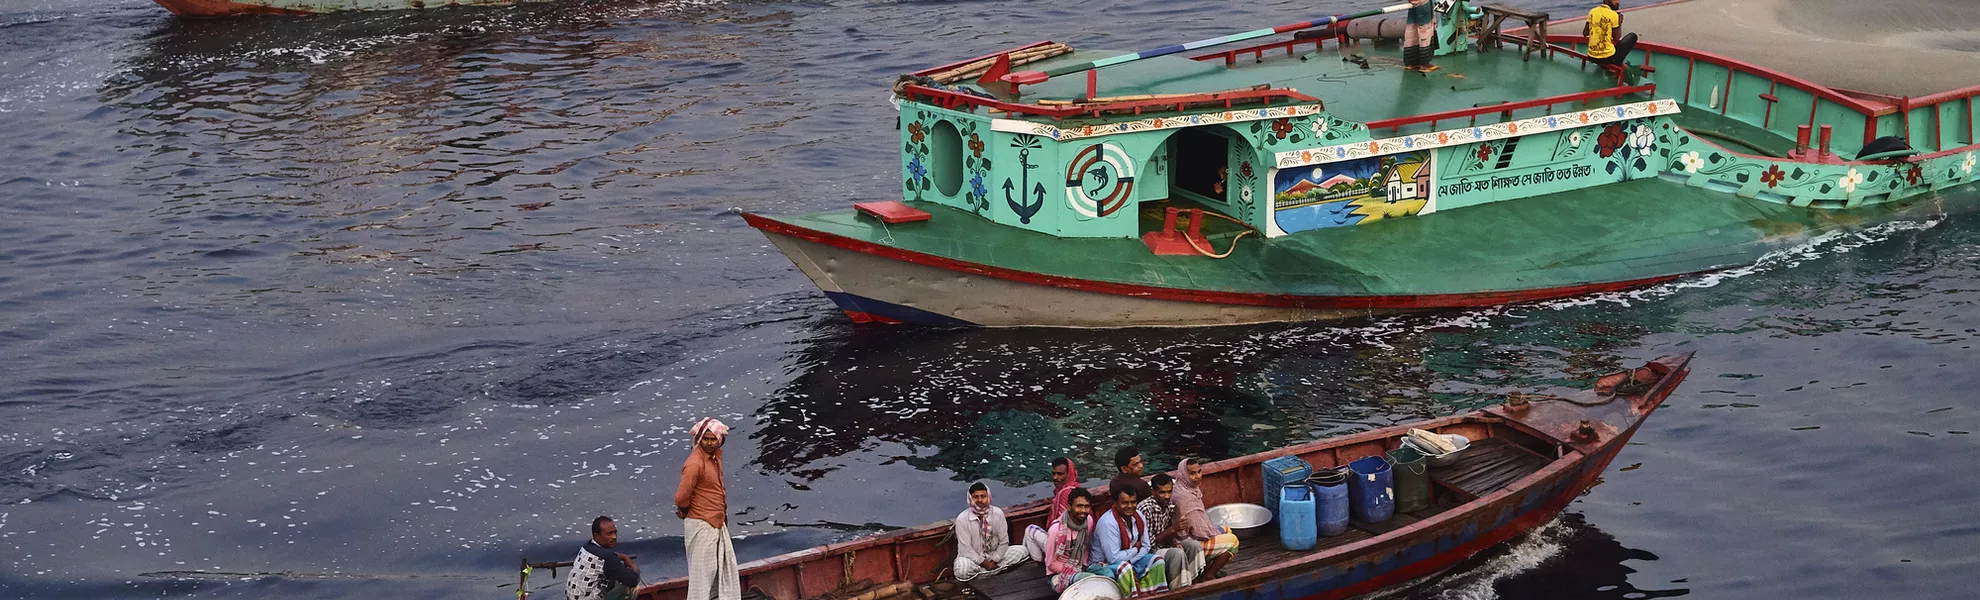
(1351, 192)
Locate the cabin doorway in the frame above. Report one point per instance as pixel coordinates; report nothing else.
(1201, 159)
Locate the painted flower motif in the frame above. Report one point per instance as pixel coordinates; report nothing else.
(1584, 118)
(1158, 122)
(1691, 162)
(976, 185)
(1553, 122)
(1849, 181)
(1244, 169)
(1282, 128)
(1967, 165)
(975, 145)
(1574, 139)
(1512, 128)
(1484, 152)
(1913, 174)
(1772, 176)
(1643, 140)
(1443, 138)
(1320, 127)
(1612, 139)
(1245, 194)
(916, 133)
(916, 169)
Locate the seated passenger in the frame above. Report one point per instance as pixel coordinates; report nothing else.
(1167, 531)
(1218, 545)
(1606, 42)
(599, 573)
(1066, 545)
(1128, 461)
(983, 538)
(1124, 551)
(1065, 477)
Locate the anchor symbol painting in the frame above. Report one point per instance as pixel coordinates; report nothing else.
(1099, 180)
(1027, 203)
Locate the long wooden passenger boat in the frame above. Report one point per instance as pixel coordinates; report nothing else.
(226, 8)
(1528, 461)
(1311, 178)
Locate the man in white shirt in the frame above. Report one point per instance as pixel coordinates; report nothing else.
(983, 538)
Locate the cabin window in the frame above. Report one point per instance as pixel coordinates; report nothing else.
(945, 153)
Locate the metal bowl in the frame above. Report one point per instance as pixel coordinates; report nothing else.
(1448, 458)
(1245, 520)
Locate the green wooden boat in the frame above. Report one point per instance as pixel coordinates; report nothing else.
(1313, 178)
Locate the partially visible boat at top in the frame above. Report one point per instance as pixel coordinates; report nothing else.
(1305, 178)
(224, 8)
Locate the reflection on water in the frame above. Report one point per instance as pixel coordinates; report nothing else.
(370, 304)
(997, 404)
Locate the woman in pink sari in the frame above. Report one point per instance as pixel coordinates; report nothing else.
(1215, 546)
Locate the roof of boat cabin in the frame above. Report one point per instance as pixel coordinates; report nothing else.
(1383, 91)
(1890, 47)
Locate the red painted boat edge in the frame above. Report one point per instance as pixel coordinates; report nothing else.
(1397, 302)
(224, 8)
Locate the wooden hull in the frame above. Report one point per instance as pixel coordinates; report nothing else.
(1405, 549)
(224, 8)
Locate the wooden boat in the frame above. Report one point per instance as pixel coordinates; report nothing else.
(1530, 458)
(1310, 178)
(224, 8)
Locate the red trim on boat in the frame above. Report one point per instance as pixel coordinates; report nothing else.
(1393, 302)
(223, 8)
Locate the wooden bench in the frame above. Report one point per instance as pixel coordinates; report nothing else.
(1536, 29)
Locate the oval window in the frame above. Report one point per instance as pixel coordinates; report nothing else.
(945, 155)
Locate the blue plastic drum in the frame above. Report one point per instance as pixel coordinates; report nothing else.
(1330, 491)
(1371, 489)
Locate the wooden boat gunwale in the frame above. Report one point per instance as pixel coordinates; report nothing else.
(1570, 454)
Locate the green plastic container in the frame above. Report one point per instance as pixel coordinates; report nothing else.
(1412, 479)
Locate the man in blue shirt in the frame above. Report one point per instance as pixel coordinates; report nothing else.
(1124, 549)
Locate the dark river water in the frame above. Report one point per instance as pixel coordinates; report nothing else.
(375, 305)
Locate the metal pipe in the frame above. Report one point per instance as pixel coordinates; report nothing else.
(1235, 37)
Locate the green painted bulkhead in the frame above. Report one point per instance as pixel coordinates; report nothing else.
(1089, 187)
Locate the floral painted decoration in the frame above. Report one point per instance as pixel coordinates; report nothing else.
(916, 133)
(1691, 162)
(976, 145)
(1772, 176)
(1612, 139)
(1850, 180)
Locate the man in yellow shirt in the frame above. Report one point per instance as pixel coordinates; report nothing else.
(1606, 42)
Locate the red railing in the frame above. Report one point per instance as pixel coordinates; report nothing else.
(1508, 108)
(953, 100)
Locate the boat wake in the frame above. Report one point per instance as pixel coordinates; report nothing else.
(1481, 583)
(1834, 243)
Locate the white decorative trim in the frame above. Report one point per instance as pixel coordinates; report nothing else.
(1469, 135)
(1153, 123)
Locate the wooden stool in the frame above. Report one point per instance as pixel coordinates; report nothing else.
(1536, 29)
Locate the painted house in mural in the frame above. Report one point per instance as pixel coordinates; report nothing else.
(1311, 178)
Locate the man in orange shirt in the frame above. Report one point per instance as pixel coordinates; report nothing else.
(1606, 42)
(702, 503)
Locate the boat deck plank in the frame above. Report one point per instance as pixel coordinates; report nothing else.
(1488, 466)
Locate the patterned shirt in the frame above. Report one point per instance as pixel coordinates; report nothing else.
(1159, 515)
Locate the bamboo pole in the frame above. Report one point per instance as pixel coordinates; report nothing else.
(1021, 57)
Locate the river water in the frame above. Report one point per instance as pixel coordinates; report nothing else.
(378, 304)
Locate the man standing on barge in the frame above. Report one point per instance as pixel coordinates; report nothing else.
(1419, 32)
(702, 503)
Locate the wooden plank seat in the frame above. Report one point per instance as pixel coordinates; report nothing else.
(1536, 29)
